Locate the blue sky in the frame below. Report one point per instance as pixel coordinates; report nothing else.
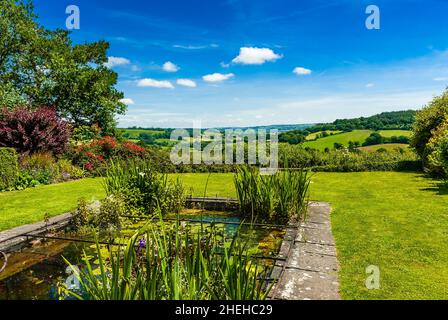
(232, 62)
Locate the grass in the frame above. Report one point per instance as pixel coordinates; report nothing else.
(30, 205)
(135, 133)
(387, 146)
(343, 138)
(396, 221)
(314, 135)
(396, 133)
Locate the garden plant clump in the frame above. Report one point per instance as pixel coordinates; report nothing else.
(278, 197)
(143, 189)
(172, 263)
(9, 169)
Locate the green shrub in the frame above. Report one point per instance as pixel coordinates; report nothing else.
(427, 121)
(103, 216)
(345, 161)
(9, 170)
(143, 189)
(67, 171)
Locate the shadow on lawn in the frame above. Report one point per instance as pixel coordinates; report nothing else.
(438, 186)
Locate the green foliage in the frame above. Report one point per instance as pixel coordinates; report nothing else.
(426, 122)
(9, 171)
(377, 138)
(293, 137)
(276, 197)
(43, 168)
(102, 216)
(437, 148)
(345, 161)
(85, 134)
(43, 67)
(143, 189)
(172, 264)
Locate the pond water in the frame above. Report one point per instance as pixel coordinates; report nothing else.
(35, 271)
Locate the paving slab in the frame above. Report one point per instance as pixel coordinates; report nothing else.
(311, 268)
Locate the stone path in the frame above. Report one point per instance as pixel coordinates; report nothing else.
(311, 266)
(11, 238)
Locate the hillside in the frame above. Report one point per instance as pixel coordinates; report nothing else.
(341, 138)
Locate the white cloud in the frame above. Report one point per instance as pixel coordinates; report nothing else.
(370, 85)
(252, 55)
(217, 77)
(154, 83)
(186, 83)
(170, 67)
(127, 101)
(300, 71)
(440, 79)
(116, 61)
(191, 47)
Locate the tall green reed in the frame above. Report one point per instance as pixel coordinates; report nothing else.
(174, 263)
(276, 197)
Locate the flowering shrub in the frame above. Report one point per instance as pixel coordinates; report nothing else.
(31, 131)
(130, 149)
(93, 156)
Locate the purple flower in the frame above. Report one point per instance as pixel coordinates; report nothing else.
(142, 243)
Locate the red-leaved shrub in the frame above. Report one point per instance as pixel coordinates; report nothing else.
(31, 131)
(93, 156)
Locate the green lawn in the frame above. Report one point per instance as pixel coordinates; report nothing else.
(30, 205)
(343, 138)
(396, 221)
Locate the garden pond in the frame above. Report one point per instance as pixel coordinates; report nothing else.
(35, 271)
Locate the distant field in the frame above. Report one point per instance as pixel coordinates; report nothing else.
(313, 135)
(355, 135)
(387, 146)
(343, 138)
(135, 133)
(396, 133)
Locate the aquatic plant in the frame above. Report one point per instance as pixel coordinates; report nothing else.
(276, 197)
(172, 263)
(143, 189)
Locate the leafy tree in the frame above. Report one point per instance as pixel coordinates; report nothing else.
(374, 138)
(43, 67)
(426, 122)
(437, 149)
(28, 131)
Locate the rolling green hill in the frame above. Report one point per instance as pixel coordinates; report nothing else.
(342, 138)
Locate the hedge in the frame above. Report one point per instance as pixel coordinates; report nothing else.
(9, 168)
